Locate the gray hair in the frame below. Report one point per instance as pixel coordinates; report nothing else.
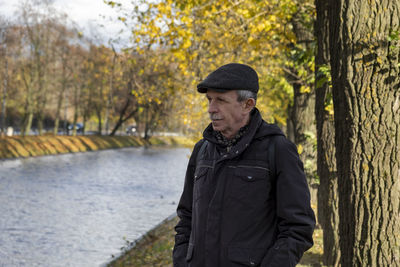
(245, 94)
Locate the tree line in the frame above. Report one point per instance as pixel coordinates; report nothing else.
(54, 77)
(329, 75)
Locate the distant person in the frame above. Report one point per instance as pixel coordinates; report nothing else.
(245, 200)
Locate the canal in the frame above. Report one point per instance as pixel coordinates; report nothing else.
(79, 209)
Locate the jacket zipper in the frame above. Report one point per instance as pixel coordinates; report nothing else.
(208, 166)
(247, 166)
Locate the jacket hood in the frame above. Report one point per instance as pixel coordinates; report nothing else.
(258, 128)
(267, 129)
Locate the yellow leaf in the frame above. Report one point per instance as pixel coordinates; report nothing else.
(305, 89)
(260, 27)
(187, 43)
(300, 149)
(250, 39)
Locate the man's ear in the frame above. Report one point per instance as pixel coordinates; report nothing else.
(249, 104)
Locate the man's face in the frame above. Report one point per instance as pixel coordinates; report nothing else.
(226, 113)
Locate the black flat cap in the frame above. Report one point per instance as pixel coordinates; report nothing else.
(233, 76)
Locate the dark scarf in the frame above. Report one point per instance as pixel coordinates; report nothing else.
(226, 143)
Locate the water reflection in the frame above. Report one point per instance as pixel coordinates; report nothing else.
(75, 209)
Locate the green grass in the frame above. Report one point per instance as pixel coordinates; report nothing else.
(153, 250)
(313, 257)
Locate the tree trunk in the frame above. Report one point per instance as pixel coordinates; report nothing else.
(41, 94)
(28, 116)
(58, 112)
(77, 94)
(99, 108)
(40, 118)
(4, 97)
(302, 111)
(28, 110)
(304, 130)
(27, 123)
(65, 125)
(364, 53)
(98, 113)
(60, 96)
(123, 119)
(328, 201)
(110, 92)
(289, 125)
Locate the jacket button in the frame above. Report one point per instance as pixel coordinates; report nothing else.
(250, 177)
(252, 263)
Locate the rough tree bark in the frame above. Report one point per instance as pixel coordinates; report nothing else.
(364, 55)
(328, 201)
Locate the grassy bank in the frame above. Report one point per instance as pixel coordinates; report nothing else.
(31, 146)
(155, 249)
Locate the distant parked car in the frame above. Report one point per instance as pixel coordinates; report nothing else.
(131, 130)
(78, 127)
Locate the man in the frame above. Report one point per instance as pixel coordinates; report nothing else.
(245, 200)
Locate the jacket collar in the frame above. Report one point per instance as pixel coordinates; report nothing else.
(255, 122)
(258, 128)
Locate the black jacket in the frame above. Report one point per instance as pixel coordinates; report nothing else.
(235, 212)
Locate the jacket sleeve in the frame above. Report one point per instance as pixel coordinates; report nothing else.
(295, 218)
(184, 212)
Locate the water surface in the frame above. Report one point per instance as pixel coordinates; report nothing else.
(76, 209)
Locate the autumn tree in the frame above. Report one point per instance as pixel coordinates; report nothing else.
(154, 88)
(62, 69)
(299, 71)
(125, 102)
(364, 56)
(203, 35)
(328, 206)
(39, 24)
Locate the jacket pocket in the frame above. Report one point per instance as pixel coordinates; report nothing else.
(200, 178)
(189, 254)
(251, 173)
(246, 256)
(250, 184)
(179, 255)
(278, 255)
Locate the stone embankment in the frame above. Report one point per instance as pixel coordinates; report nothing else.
(31, 146)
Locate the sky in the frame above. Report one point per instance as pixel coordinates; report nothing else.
(87, 14)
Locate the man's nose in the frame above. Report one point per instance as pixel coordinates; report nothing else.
(212, 108)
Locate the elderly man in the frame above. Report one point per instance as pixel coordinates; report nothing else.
(245, 200)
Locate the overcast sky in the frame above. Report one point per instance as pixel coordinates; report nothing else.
(88, 14)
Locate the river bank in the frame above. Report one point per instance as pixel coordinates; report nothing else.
(32, 146)
(152, 249)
